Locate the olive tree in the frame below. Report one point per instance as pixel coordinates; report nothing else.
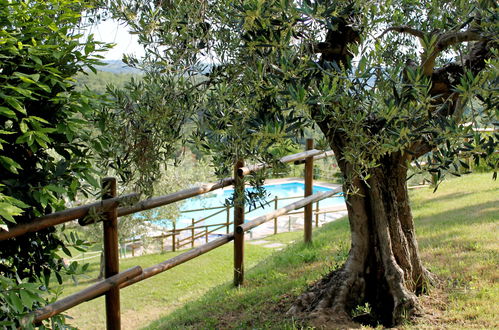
(387, 83)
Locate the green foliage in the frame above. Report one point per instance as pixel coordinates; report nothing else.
(47, 147)
(146, 122)
(266, 82)
(20, 297)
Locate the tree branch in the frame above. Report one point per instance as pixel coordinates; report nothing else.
(404, 29)
(446, 40)
(452, 38)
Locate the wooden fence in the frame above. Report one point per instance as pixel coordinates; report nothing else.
(197, 230)
(110, 208)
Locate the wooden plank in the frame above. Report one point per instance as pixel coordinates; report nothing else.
(111, 256)
(290, 197)
(309, 185)
(60, 217)
(238, 220)
(86, 294)
(174, 197)
(285, 210)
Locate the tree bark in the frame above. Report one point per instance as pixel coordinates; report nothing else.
(383, 268)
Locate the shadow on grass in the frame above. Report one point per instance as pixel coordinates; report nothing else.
(446, 197)
(450, 196)
(270, 287)
(479, 213)
(462, 251)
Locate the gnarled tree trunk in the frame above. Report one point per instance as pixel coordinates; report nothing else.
(383, 267)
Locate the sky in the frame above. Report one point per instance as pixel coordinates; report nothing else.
(111, 32)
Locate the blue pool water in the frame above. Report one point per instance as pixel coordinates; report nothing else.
(218, 198)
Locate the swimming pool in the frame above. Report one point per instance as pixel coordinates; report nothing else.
(218, 198)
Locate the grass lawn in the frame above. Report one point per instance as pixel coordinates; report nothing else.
(457, 229)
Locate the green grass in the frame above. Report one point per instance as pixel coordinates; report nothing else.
(457, 229)
(159, 295)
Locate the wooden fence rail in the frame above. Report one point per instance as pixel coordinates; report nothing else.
(86, 294)
(111, 207)
(285, 210)
(57, 218)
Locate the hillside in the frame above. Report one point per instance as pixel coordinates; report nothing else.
(118, 67)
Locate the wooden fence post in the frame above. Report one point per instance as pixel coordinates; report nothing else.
(173, 237)
(238, 220)
(275, 219)
(317, 214)
(111, 256)
(228, 219)
(309, 177)
(192, 233)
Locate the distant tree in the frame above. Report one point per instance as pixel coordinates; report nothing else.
(47, 146)
(386, 83)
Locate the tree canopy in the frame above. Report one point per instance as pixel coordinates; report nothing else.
(271, 69)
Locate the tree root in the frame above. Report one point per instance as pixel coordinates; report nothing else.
(331, 302)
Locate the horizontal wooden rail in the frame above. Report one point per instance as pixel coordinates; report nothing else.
(180, 259)
(211, 215)
(293, 213)
(77, 298)
(290, 197)
(286, 159)
(177, 231)
(284, 210)
(326, 154)
(174, 197)
(204, 209)
(316, 212)
(189, 240)
(331, 209)
(60, 217)
(218, 228)
(199, 235)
